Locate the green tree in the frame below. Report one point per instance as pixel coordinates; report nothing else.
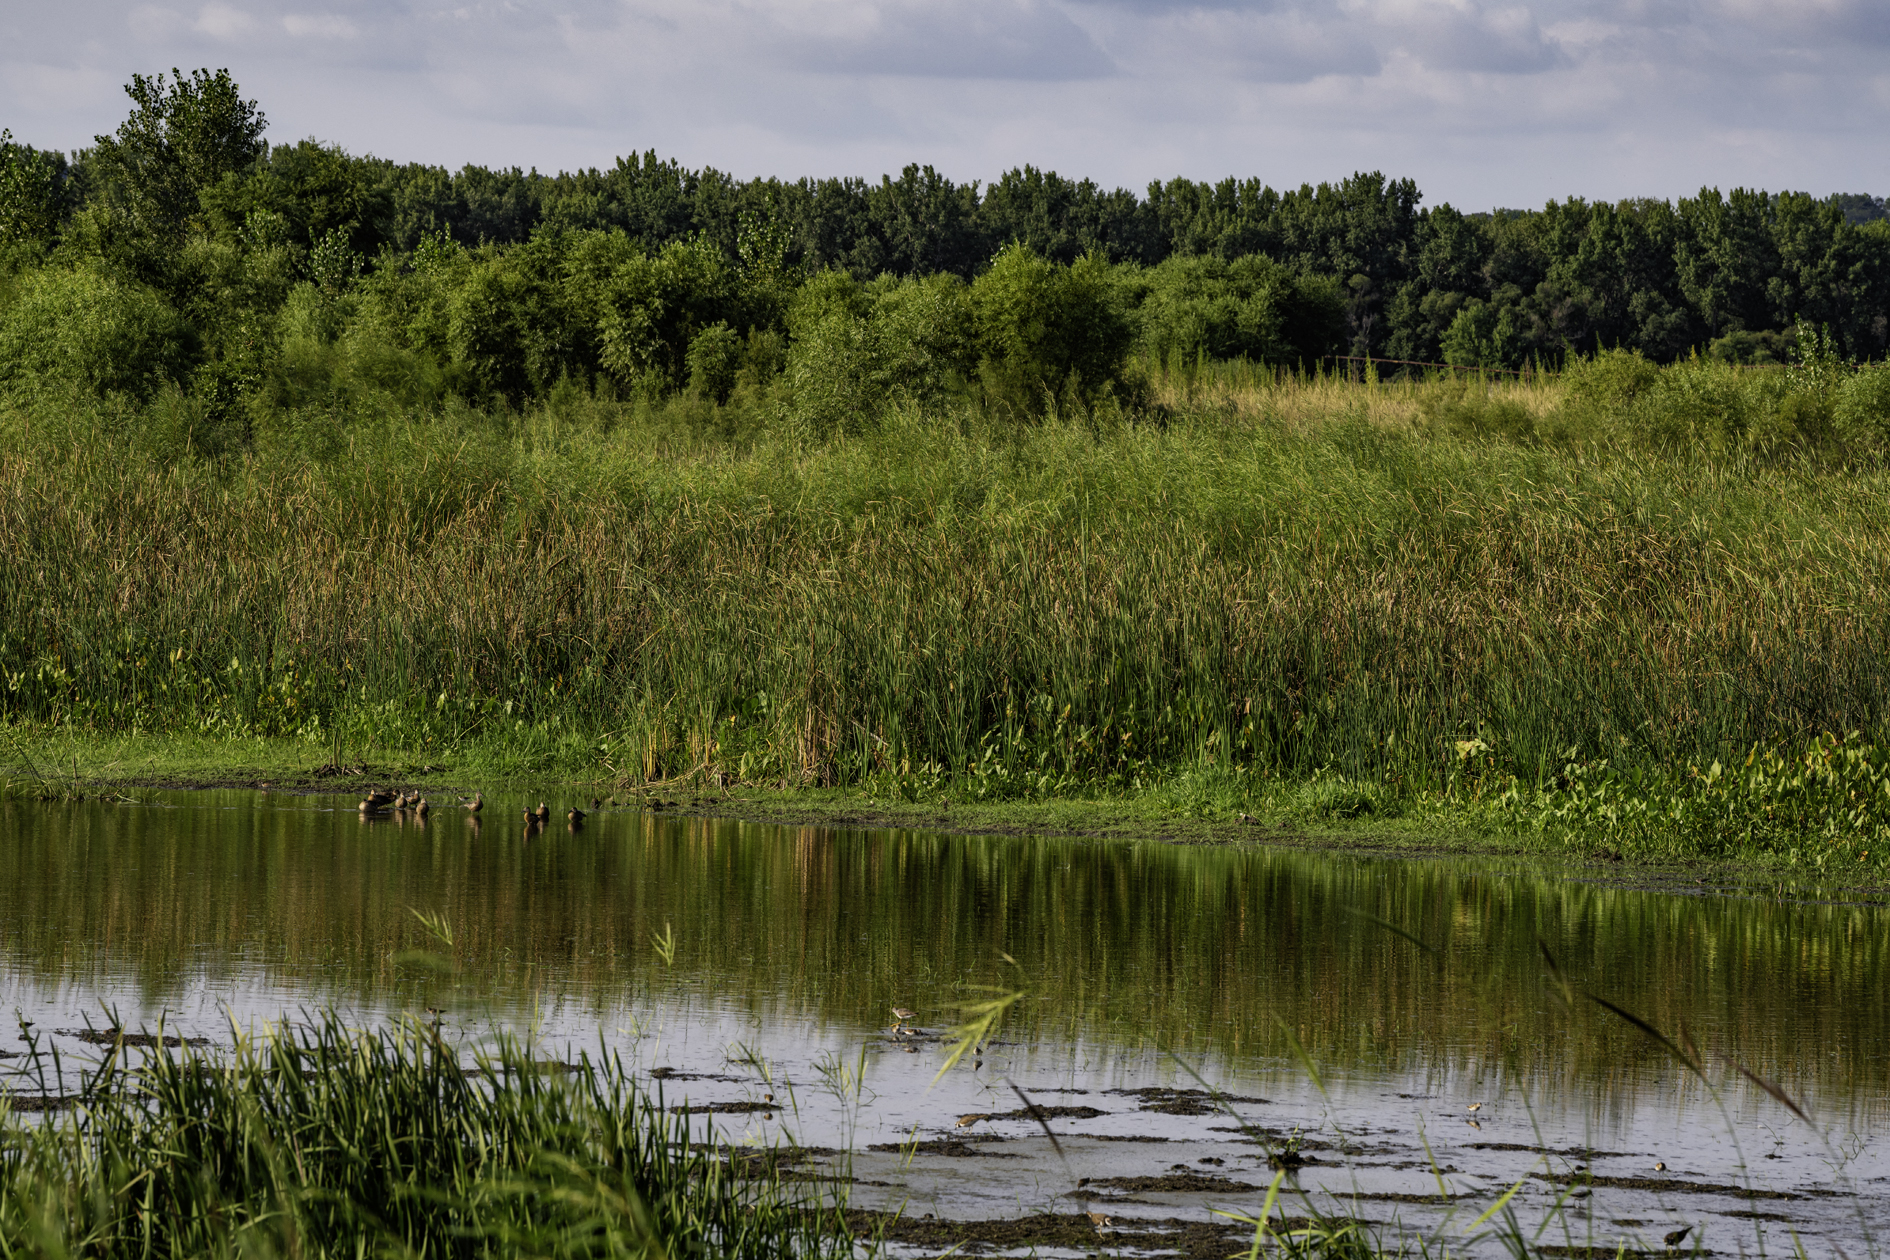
(29, 192)
(185, 135)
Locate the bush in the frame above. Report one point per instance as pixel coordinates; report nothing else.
(1609, 382)
(714, 358)
(1047, 331)
(1251, 308)
(1861, 411)
(80, 328)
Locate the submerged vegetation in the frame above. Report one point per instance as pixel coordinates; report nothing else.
(585, 497)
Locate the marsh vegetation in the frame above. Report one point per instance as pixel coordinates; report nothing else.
(586, 497)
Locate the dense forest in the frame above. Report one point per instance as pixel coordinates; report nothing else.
(184, 251)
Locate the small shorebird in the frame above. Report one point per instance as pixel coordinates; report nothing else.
(1659, 1166)
(1474, 1107)
(475, 804)
(1100, 1220)
(965, 1122)
(1678, 1236)
(901, 1014)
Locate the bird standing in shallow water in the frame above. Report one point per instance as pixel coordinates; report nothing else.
(420, 808)
(477, 803)
(1678, 1236)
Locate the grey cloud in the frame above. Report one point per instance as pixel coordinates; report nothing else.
(1504, 41)
(983, 39)
(1482, 101)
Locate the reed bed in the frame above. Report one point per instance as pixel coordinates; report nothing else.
(328, 1141)
(1283, 580)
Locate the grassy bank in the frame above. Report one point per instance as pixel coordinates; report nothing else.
(326, 1141)
(1555, 607)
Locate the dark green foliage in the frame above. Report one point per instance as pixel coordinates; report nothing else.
(1046, 331)
(1250, 308)
(184, 137)
(503, 284)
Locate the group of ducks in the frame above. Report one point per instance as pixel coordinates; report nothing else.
(378, 803)
(394, 803)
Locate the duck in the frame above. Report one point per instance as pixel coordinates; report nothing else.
(574, 815)
(475, 803)
(542, 813)
(420, 808)
(374, 802)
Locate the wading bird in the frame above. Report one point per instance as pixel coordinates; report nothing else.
(1678, 1236)
(901, 1014)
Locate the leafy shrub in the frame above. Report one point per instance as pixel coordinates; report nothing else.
(652, 306)
(1251, 308)
(714, 358)
(1861, 410)
(1047, 331)
(80, 328)
(1742, 347)
(1482, 335)
(1610, 381)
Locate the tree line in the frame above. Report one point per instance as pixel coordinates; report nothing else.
(187, 201)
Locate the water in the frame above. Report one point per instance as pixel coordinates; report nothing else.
(1413, 988)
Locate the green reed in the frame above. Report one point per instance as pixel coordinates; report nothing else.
(1280, 580)
(324, 1141)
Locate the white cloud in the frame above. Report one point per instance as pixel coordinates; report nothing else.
(220, 21)
(319, 26)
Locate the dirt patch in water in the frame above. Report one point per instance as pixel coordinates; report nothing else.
(1076, 1231)
(1173, 1183)
(724, 1109)
(43, 1102)
(1049, 1113)
(1182, 1102)
(131, 1041)
(956, 1148)
(1662, 1185)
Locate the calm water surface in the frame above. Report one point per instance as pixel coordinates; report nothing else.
(1255, 968)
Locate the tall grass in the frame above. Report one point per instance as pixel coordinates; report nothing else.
(326, 1142)
(1272, 576)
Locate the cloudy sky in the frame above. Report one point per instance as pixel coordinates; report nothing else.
(1483, 102)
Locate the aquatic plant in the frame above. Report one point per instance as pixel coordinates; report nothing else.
(324, 1140)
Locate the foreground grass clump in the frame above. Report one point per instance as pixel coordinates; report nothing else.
(1344, 600)
(327, 1142)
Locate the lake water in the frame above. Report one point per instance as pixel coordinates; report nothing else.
(1414, 988)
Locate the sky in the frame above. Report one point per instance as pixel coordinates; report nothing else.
(1483, 104)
